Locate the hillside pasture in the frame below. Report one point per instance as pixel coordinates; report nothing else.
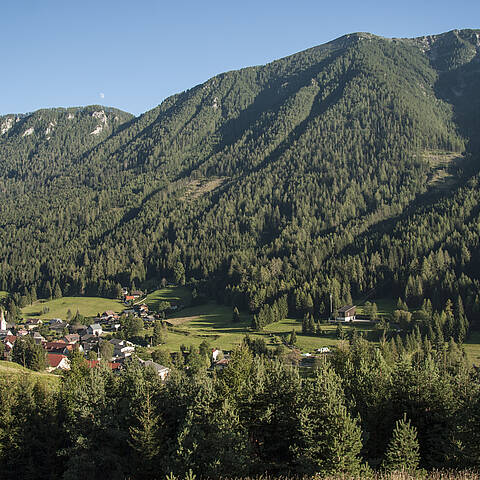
(213, 322)
(13, 371)
(173, 295)
(58, 308)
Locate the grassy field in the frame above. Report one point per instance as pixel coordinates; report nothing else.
(14, 370)
(87, 306)
(3, 294)
(213, 322)
(174, 295)
(472, 347)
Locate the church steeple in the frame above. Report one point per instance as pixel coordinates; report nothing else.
(3, 323)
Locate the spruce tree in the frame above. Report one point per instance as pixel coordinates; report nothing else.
(403, 450)
(144, 436)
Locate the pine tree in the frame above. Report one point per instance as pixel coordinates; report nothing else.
(159, 333)
(328, 439)
(403, 450)
(235, 315)
(144, 436)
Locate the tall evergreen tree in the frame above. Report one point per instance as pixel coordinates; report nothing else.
(403, 450)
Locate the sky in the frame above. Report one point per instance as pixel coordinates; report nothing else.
(133, 54)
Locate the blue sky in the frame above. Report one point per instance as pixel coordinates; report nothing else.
(133, 54)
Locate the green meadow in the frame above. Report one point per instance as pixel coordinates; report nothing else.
(174, 295)
(15, 371)
(212, 322)
(58, 308)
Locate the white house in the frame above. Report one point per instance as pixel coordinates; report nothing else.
(95, 329)
(56, 361)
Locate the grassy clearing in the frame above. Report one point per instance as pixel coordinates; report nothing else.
(211, 322)
(174, 295)
(308, 343)
(214, 323)
(199, 187)
(87, 306)
(14, 371)
(3, 294)
(472, 347)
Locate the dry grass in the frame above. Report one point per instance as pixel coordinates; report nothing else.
(441, 177)
(437, 475)
(197, 188)
(180, 321)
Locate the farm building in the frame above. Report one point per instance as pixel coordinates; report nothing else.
(346, 313)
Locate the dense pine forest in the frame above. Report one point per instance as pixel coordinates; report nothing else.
(408, 405)
(348, 167)
(348, 171)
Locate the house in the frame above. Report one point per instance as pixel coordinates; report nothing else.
(71, 338)
(346, 313)
(38, 339)
(122, 348)
(54, 321)
(58, 325)
(5, 333)
(113, 365)
(109, 314)
(161, 371)
(58, 347)
(22, 332)
(215, 354)
(137, 294)
(89, 342)
(112, 326)
(80, 329)
(95, 329)
(9, 342)
(128, 298)
(322, 350)
(56, 361)
(33, 323)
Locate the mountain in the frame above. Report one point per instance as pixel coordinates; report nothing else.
(330, 170)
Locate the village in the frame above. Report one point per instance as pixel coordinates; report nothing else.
(95, 341)
(102, 337)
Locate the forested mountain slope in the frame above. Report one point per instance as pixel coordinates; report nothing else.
(286, 178)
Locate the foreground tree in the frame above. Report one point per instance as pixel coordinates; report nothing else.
(403, 450)
(328, 439)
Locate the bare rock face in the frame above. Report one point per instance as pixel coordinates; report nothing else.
(102, 119)
(7, 124)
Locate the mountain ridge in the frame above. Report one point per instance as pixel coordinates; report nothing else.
(281, 159)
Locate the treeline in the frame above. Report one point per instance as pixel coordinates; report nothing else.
(271, 313)
(408, 404)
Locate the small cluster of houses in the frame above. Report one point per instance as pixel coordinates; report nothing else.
(131, 296)
(80, 337)
(142, 311)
